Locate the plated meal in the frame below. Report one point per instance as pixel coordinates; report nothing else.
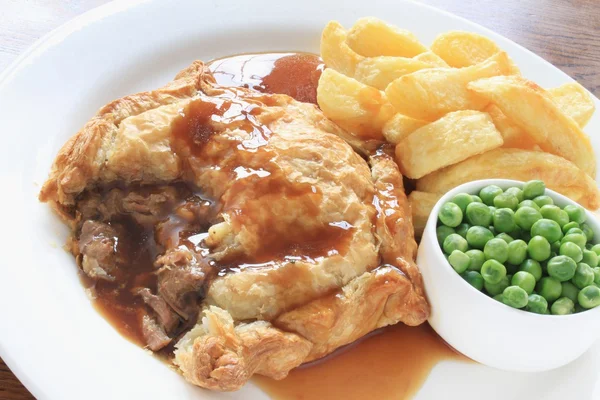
(259, 212)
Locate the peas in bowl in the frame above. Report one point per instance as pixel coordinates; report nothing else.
(551, 235)
(522, 261)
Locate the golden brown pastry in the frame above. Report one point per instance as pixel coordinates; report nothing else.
(238, 226)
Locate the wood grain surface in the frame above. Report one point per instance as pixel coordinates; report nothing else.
(564, 32)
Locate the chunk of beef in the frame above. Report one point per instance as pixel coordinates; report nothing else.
(98, 247)
(181, 279)
(154, 335)
(147, 208)
(164, 314)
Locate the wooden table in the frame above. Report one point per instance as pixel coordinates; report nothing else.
(564, 32)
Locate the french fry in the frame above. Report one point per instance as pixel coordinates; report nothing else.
(513, 135)
(462, 49)
(575, 101)
(380, 71)
(558, 174)
(356, 107)
(532, 109)
(429, 94)
(451, 139)
(335, 52)
(371, 37)
(421, 204)
(431, 58)
(400, 126)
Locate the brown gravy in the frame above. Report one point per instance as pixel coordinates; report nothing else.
(392, 363)
(294, 74)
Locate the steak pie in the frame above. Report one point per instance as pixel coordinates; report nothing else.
(235, 231)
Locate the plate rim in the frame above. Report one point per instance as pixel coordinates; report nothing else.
(70, 27)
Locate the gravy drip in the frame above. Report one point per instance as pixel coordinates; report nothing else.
(392, 363)
(294, 74)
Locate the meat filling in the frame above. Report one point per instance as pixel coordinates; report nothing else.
(133, 245)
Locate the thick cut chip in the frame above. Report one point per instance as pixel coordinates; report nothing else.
(335, 52)
(451, 139)
(512, 134)
(356, 107)
(431, 58)
(558, 174)
(380, 71)
(371, 37)
(532, 108)
(421, 204)
(429, 94)
(462, 49)
(575, 101)
(400, 126)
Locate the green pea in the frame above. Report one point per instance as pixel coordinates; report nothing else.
(476, 199)
(590, 258)
(494, 289)
(547, 228)
(562, 268)
(584, 276)
(505, 236)
(537, 304)
(455, 242)
(515, 191)
(549, 288)
(569, 290)
(596, 276)
(570, 225)
(517, 252)
(570, 249)
(533, 189)
(478, 236)
(477, 259)
(492, 210)
(499, 297)
(492, 229)
(459, 261)
(462, 229)
(589, 297)
(578, 238)
(526, 236)
(587, 231)
(576, 213)
(563, 306)
(574, 230)
(443, 232)
(543, 200)
(493, 271)
(478, 214)
(596, 249)
(538, 248)
(450, 215)
(506, 200)
(554, 213)
(462, 200)
(525, 217)
(496, 249)
(504, 220)
(529, 203)
(516, 297)
(474, 279)
(533, 267)
(524, 280)
(488, 194)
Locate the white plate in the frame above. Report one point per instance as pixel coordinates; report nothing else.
(50, 335)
